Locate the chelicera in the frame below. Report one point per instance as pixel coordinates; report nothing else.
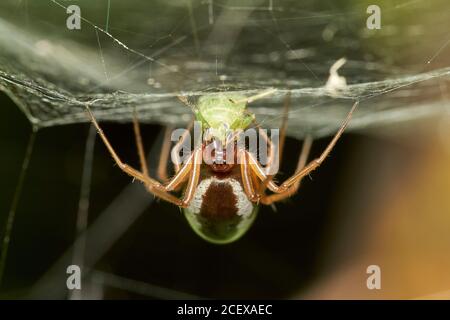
(220, 198)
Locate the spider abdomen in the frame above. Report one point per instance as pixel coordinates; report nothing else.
(220, 211)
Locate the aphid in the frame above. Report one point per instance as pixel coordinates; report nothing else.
(221, 197)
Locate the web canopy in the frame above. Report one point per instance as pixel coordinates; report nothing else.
(143, 54)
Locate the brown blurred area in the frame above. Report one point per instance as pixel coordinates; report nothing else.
(393, 211)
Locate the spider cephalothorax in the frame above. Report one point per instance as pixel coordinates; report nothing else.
(222, 190)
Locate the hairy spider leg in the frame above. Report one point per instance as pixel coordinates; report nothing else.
(191, 168)
(289, 186)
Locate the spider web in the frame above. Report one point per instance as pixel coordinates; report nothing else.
(150, 53)
(52, 72)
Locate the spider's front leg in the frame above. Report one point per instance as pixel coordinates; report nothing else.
(248, 181)
(255, 189)
(190, 168)
(269, 199)
(290, 186)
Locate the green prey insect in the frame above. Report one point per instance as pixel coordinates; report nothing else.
(221, 194)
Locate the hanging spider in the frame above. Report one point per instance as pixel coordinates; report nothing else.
(221, 199)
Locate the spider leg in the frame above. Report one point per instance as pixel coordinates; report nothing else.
(296, 178)
(269, 199)
(164, 157)
(151, 184)
(271, 148)
(194, 177)
(140, 147)
(287, 103)
(247, 177)
(257, 96)
(123, 166)
(176, 148)
(256, 182)
(247, 174)
(183, 173)
(178, 179)
(192, 169)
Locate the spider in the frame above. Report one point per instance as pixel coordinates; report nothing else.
(220, 199)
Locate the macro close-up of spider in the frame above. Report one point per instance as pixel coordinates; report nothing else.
(224, 150)
(221, 200)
